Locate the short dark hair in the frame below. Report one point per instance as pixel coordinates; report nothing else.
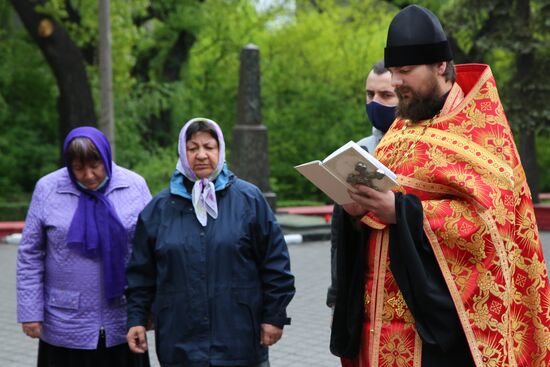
(378, 68)
(450, 72)
(202, 126)
(83, 150)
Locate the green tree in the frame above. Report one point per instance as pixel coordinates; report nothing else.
(313, 74)
(313, 64)
(176, 60)
(28, 128)
(513, 36)
(75, 104)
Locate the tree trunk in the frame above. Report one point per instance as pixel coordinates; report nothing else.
(106, 119)
(528, 155)
(525, 62)
(159, 127)
(75, 104)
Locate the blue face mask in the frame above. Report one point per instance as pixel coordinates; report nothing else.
(381, 116)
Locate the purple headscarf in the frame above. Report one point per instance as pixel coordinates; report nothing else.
(95, 229)
(204, 193)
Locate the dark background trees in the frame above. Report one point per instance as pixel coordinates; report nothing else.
(514, 37)
(173, 60)
(75, 105)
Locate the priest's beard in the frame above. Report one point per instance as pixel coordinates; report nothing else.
(418, 106)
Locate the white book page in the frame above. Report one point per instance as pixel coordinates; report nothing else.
(345, 164)
(331, 185)
(344, 147)
(351, 149)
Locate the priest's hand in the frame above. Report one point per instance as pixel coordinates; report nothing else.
(381, 204)
(355, 209)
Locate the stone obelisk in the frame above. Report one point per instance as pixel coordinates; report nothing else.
(249, 148)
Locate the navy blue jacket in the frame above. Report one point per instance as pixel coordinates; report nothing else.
(212, 286)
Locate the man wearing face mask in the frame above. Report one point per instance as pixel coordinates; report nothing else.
(381, 102)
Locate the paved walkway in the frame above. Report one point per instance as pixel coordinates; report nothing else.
(304, 344)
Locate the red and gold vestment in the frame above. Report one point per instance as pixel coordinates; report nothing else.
(479, 219)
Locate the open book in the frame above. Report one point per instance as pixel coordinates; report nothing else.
(348, 165)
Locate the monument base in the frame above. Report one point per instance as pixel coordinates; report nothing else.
(271, 198)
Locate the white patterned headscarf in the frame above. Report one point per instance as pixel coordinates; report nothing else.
(204, 193)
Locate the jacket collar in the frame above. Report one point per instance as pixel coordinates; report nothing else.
(377, 133)
(118, 181)
(224, 179)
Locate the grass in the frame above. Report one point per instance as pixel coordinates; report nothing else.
(287, 203)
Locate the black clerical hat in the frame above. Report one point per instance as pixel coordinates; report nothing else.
(416, 37)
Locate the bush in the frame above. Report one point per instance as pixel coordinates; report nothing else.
(13, 212)
(543, 160)
(158, 169)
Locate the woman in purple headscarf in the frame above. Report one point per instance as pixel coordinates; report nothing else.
(71, 259)
(211, 261)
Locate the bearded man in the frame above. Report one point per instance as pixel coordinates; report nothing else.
(448, 270)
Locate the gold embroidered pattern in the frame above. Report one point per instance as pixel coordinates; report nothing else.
(398, 304)
(397, 350)
(491, 354)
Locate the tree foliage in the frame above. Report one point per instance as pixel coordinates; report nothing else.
(313, 73)
(174, 60)
(28, 115)
(515, 37)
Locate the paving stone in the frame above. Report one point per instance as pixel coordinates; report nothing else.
(305, 343)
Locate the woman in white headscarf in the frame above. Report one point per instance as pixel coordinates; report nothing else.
(211, 262)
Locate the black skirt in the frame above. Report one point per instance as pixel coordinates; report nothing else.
(117, 356)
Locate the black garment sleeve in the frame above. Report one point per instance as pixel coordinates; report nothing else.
(335, 228)
(417, 273)
(347, 322)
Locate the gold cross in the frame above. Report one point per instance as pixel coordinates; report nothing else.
(398, 304)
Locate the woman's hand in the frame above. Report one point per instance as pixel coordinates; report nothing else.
(270, 334)
(32, 329)
(137, 339)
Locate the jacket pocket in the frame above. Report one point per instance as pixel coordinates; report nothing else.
(62, 298)
(245, 304)
(247, 315)
(172, 331)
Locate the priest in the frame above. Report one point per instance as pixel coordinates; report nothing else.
(447, 270)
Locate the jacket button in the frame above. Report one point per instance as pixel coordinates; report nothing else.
(202, 234)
